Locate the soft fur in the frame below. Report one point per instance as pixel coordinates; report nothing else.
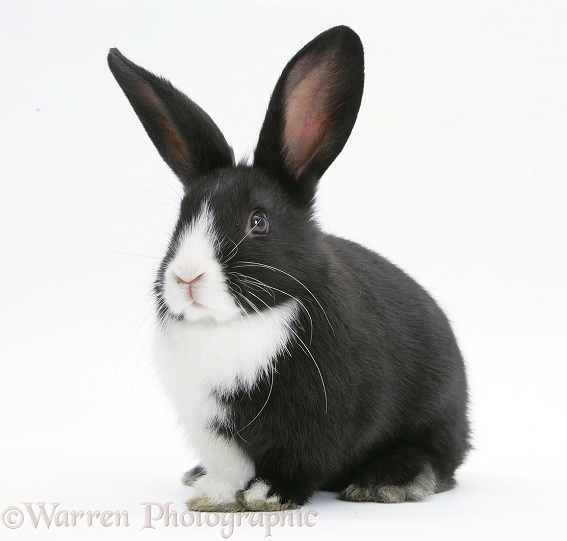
(296, 360)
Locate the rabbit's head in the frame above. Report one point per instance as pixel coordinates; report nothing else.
(245, 239)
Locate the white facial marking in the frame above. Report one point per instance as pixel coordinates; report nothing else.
(194, 285)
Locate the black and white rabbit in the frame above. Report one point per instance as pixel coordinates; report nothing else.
(295, 360)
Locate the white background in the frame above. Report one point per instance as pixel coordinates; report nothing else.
(456, 170)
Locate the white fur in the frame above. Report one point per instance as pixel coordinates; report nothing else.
(215, 349)
(195, 256)
(195, 359)
(228, 469)
(259, 492)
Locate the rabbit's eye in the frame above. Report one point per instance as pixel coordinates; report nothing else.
(259, 224)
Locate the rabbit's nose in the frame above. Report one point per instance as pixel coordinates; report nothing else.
(188, 281)
(189, 284)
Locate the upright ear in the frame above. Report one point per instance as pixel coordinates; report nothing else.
(185, 136)
(312, 111)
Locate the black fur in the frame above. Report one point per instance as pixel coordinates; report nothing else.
(341, 50)
(372, 390)
(185, 136)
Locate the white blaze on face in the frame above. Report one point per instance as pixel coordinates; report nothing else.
(194, 284)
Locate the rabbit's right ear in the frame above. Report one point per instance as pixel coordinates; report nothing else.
(185, 136)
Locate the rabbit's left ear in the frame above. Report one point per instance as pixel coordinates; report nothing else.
(312, 111)
(185, 136)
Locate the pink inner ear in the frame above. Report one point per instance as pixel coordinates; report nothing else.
(175, 145)
(308, 103)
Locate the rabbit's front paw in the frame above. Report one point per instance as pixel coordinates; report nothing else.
(214, 495)
(257, 497)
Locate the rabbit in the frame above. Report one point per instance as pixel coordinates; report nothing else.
(295, 360)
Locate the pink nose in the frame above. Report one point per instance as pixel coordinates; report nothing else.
(190, 281)
(189, 284)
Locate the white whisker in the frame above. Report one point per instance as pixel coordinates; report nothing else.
(122, 253)
(306, 349)
(263, 302)
(234, 250)
(252, 305)
(251, 281)
(179, 197)
(272, 289)
(254, 264)
(262, 408)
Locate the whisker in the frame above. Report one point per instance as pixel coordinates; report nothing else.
(302, 306)
(306, 349)
(289, 295)
(125, 357)
(235, 285)
(243, 310)
(224, 243)
(122, 253)
(263, 302)
(163, 181)
(136, 368)
(234, 250)
(252, 305)
(243, 278)
(162, 203)
(158, 193)
(262, 408)
(250, 282)
(252, 263)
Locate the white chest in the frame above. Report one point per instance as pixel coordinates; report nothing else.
(194, 359)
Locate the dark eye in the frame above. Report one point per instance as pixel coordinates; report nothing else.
(258, 223)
